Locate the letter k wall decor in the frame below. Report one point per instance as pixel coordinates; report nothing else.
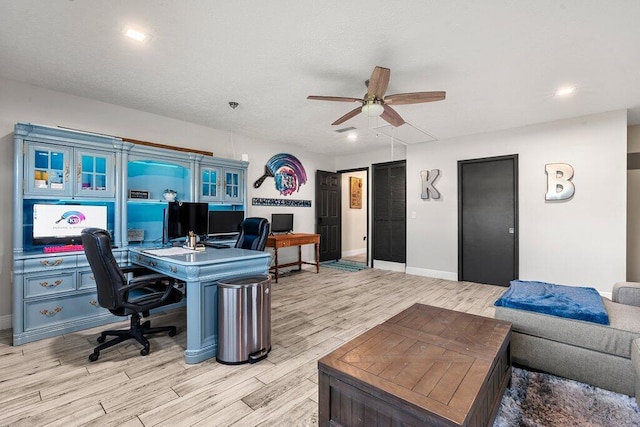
(559, 185)
(428, 179)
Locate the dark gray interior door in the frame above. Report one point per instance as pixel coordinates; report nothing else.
(328, 214)
(488, 220)
(389, 212)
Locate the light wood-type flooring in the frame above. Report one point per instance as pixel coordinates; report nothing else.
(51, 382)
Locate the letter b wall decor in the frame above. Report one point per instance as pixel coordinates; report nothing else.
(559, 185)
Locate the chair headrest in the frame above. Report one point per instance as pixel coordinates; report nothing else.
(254, 225)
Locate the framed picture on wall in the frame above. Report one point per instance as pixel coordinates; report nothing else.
(355, 192)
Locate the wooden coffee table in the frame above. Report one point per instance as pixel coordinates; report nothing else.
(424, 366)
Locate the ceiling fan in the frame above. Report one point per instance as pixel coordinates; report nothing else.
(375, 103)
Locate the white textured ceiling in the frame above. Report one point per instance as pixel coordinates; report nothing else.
(498, 61)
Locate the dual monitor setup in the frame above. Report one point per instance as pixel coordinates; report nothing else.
(61, 224)
(183, 217)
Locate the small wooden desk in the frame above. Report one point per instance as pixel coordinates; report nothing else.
(424, 366)
(278, 241)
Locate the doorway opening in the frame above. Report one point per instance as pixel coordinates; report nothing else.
(355, 215)
(342, 216)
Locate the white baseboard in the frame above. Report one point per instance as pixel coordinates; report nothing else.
(354, 252)
(437, 274)
(386, 265)
(5, 322)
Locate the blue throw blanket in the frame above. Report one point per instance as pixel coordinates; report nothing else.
(565, 301)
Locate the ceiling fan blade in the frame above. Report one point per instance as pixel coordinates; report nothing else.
(335, 98)
(348, 116)
(378, 82)
(414, 98)
(391, 116)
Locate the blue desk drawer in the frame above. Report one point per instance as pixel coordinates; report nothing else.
(86, 279)
(50, 263)
(54, 311)
(49, 284)
(163, 267)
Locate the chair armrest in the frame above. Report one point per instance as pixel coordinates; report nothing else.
(137, 270)
(146, 280)
(155, 298)
(627, 293)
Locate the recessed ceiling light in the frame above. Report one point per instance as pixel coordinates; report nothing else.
(352, 136)
(564, 91)
(136, 35)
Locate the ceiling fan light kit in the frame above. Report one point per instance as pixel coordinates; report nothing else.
(375, 104)
(372, 109)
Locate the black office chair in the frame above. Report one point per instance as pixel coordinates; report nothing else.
(253, 234)
(126, 298)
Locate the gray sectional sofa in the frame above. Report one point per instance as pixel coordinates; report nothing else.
(607, 356)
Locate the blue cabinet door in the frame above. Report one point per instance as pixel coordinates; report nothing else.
(95, 173)
(210, 184)
(47, 170)
(233, 186)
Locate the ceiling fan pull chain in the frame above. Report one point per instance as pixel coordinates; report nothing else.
(393, 133)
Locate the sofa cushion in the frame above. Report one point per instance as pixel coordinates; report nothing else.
(613, 339)
(573, 302)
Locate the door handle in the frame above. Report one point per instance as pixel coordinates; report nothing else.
(512, 230)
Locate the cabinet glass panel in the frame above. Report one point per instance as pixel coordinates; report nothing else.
(47, 170)
(209, 183)
(232, 187)
(94, 174)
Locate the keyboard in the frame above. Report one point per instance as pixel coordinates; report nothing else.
(62, 248)
(216, 245)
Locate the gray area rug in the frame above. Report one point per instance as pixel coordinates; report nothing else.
(344, 265)
(538, 399)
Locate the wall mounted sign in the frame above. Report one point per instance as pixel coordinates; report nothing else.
(559, 185)
(288, 172)
(138, 194)
(428, 179)
(260, 201)
(355, 192)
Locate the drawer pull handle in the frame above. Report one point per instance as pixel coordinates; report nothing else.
(173, 269)
(93, 303)
(55, 263)
(153, 263)
(51, 313)
(52, 285)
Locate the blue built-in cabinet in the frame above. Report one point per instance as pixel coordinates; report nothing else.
(55, 293)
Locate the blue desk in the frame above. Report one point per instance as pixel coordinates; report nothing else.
(201, 271)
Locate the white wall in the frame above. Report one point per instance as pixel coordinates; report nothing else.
(354, 221)
(633, 208)
(20, 102)
(367, 157)
(577, 242)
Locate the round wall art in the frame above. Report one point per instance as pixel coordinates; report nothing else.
(287, 171)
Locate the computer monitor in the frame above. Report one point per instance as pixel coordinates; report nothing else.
(183, 217)
(225, 222)
(281, 223)
(63, 223)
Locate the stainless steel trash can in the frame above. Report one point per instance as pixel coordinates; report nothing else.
(244, 320)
